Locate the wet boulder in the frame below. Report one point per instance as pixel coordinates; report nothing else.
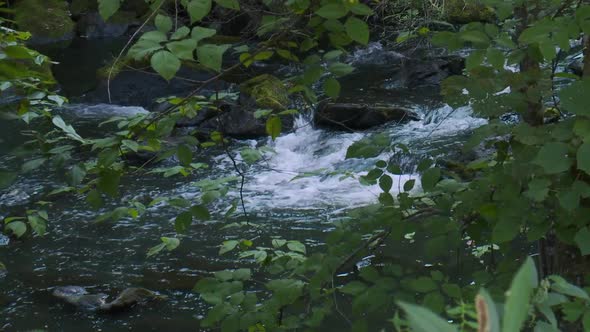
(350, 116)
(81, 299)
(47, 20)
(92, 25)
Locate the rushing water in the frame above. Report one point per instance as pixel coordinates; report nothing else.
(108, 257)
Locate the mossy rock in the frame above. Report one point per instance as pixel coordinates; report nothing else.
(462, 12)
(137, 7)
(44, 18)
(121, 65)
(268, 91)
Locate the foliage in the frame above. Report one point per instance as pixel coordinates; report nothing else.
(531, 186)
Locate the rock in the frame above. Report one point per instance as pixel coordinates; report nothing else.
(47, 20)
(79, 297)
(416, 72)
(463, 12)
(265, 91)
(349, 116)
(91, 25)
(130, 297)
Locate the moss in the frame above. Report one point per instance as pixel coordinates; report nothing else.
(462, 12)
(44, 18)
(268, 91)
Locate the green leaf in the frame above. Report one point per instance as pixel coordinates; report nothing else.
(573, 97)
(385, 183)
(181, 33)
(582, 239)
(361, 9)
(424, 320)
(38, 224)
(198, 9)
(230, 4)
(242, 274)
(183, 222)
(228, 246)
(171, 243)
(583, 157)
(67, 129)
(250, 156)
(211, 56)
(165, 64)
(561, 286)
(156, 249)
(76, 175)
(148, 43)
(273, 126)
(7, 178)
(107, 8)
(484, 301)
(357, 30)
(131, 145)
(200, 212)
(353, 288)
(163, 23)
(199, 33)
(409, 185)
(553, 158)
(332, 11)
(340, 69)
(430, 178)
(94, 199)
(32, 164)
(331, 87)
(185, 155)
(108, 182)
(18, 228)
(296, 246)
(521, 289)
(183, 49)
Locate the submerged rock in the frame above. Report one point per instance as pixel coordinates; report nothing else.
(349, 116)
(79, 297)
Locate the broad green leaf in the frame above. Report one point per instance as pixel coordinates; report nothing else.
(573, 97)
(38, 224)
(171, 243)
(583, 157)
(385, 183)
(516, 309)
(181, 33)
(163, 23)
(273, 126)
(67, 129)
(156, 249)
(553, 158)
(340, 69)
(211, 56)
(358, 30)
(183, 49)
(77, 174)
(183, 222)
(430, 178)
(332, 11)
(424, 320)
(165, 63)
(228, 246)
(198, 9)
(18, 228)
(582, 239)
(33, 164)
(131, 145)
(7, 178)
(107, 8)
(296, 246)
(361, 9)
(332, 87)
(409, 185)
(353, 288)
(184, 154)
(486, 307)
(199, 33)
(561, 286)
(108, 182)
(242, 274)
(230, 4)
(148, 43)
(200, 212)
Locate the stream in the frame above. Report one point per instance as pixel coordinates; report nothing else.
(111, 256)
